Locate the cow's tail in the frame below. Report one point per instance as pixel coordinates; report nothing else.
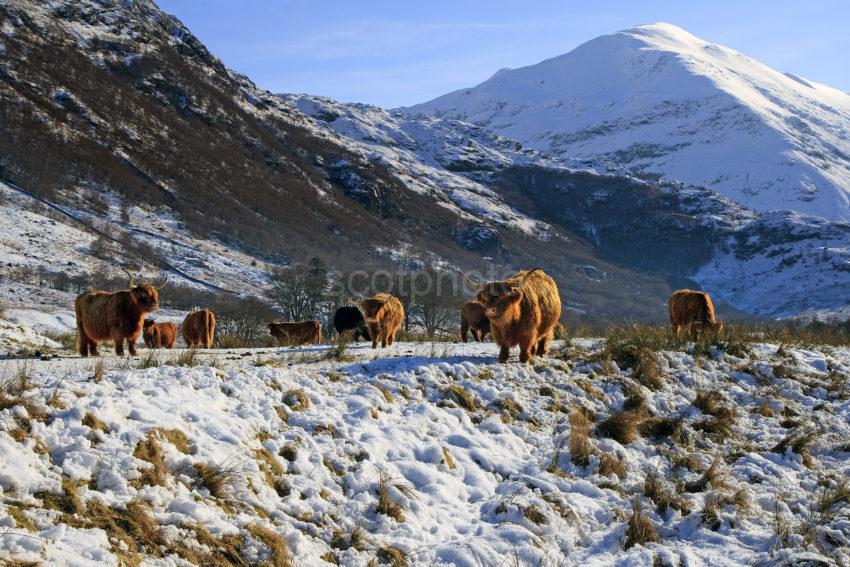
(82, 343)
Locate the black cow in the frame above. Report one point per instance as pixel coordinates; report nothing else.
(349, 318)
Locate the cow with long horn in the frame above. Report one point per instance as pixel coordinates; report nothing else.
(116, 316)
(523, 310)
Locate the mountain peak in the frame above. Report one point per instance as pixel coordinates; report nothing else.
(657, 99)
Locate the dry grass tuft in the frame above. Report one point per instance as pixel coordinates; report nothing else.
(710, 514)
(176, 438)
(622, 427)
(218, 479)
(580, 446)
(278, 548)
(22, 522)
(509, 409)
(68, 501)
(447, 459)
(640, 530)
(149, 450)
(212, 551)
(462, 397)
(659, 492)
(672, 427)
(386, 504)
(612, 464)
(798, 441)
(297, 400)
(647, 369)
(534, 515)
(289, 452)
(92, 421)
(271, 469)
(716, 475)
(98, 372)
(710, 403)
(392, 556)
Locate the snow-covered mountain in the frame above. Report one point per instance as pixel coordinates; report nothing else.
(657, 99)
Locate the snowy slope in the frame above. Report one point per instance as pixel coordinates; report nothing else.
(476, 481)
(659, 99)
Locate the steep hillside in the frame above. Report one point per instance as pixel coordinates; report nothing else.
(658, 99)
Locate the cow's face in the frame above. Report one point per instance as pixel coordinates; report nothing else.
(373, 310)
(146, 297)
(499, 299)
(148, 323)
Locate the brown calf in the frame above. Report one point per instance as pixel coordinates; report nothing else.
(384, 315)
(472, 318)
(159, 335)
(199, 328)
(113, 316)
(523, 310)
(692, 311)
(296, 333)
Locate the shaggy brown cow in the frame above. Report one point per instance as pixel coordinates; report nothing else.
(472, 318)
(384, 315)
(159, 335)
(113, 316)
(199, 328)
(692, 311)
(296, 333)
(523, 310)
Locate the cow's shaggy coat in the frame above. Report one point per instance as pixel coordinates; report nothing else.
(472, 318)
(199, 328)
(296, 333)
(113, 316)
(384, 316)
(350, 318)
(159, 335)
(523, 310)
(692, 311)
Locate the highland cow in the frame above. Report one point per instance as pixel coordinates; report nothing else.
(349, 318)
(159, 335)
(384, 315)
(296, 333)
(114, 316)
(692, 311)
(472, 318)
(199, 328)
(523, 310)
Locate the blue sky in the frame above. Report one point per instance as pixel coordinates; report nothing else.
(401, 52)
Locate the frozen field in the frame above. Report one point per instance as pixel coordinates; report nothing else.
(431, 454)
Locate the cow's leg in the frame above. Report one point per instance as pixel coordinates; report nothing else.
(390, 339)
(384, 335)
(118, 340)
(82, 343)
(543, 345)
(374, 340)
(94, 348)
(464, 330)
(131, 345)
(527, 348)
(504, 354)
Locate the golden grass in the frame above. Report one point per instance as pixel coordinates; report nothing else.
(392, 556)
(149, 450)
(612, 465)
(640, 530)
(462, 397)
(580, 446)
(92, 421)
(622, 426)
(297, 400)
(175, 437)
(278, 548)
(219, 479)
(447, 459)
(386, 504)
(271, 469)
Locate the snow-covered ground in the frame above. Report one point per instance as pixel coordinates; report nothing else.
(434, 450)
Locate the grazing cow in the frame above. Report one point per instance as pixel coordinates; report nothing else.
(523, 310)
(159, 335)
(472, 318)
(114, 316)
(384, 315)
(348, 318)
(692, 311)
(296, 333)
(199, 328)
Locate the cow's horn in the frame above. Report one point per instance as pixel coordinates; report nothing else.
(163, 284)
(469, 280)
(528, 275)
(129, 275)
